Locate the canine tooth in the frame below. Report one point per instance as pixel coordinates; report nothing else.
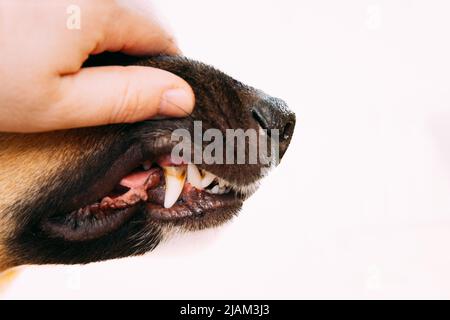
(215, 189)
(207, 179)
(193, 176)
(175, 178)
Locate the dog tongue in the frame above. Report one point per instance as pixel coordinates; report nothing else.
(138, 183)
(137, 179)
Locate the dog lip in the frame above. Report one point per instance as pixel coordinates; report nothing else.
(100, 186)
(62, 225)
(95, 230)
(193, 203)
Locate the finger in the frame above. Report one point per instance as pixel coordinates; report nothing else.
(113, 94)
(133, 27)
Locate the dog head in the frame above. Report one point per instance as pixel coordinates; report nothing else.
(91, 194)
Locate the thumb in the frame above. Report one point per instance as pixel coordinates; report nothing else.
(115, 94)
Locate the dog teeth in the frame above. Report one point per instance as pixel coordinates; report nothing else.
(199, 178)
(207, 179)
(193, 176)
(215, 189)
(175, 178)
(218, 190)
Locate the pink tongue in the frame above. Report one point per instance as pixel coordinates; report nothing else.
(135, 179)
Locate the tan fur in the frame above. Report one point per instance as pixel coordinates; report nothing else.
(26, 162)
(4, 263)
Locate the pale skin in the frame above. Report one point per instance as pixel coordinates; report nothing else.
(42, 84)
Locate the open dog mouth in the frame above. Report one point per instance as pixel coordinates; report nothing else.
(164, 190)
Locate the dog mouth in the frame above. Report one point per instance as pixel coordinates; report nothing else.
(169, 190)
(164, 191)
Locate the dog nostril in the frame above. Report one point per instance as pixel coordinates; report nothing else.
(260, 119)
(285, 126)
(273, 114)
(287, 130)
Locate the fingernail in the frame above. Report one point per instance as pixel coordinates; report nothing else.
(176, 102)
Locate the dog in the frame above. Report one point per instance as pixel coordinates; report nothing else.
(91, 194)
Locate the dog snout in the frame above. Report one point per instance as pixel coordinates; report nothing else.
(273, 113)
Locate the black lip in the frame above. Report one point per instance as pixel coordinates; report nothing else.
(196, 204)
(208, 206)
(92, 230)
(98, 188)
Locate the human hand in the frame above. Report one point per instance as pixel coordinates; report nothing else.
(43, 86)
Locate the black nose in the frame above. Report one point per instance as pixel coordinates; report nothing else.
(273, 113)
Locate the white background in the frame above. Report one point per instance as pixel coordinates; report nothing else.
(360, 206)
